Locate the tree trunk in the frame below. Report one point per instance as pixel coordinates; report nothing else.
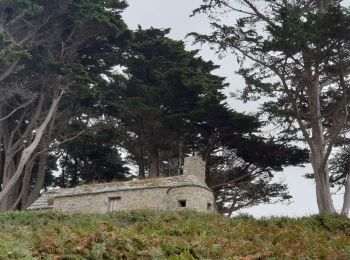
(28, 151)
(1, 150)
(29, 196)
(323, 193)
(74, 175)
(11, 198)
(179, 166)
(346, 202)
(63, 177)
(18, 204)
(322, 4)
(317, 141)
(141, 163)
(154, 163)
(28, 199)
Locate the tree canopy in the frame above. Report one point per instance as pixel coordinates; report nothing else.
(171, 105)
(41, 79)
(299, 58)
(81, 96)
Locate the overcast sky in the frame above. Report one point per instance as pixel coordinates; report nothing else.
(175, 15)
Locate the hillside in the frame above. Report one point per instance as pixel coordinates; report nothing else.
(165, 235)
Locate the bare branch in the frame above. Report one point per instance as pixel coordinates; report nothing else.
(15, 110)
(258, 13)
(10, 69)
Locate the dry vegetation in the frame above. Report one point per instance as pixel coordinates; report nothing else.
(165, 235)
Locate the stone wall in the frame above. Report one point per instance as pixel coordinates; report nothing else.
(188, 191)
(194, 166)
(99, 203)
(196, 198)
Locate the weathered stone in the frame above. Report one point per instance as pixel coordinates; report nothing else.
(188, 191)
(195, 166)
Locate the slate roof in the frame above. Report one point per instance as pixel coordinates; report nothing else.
(43, 201)
(164, 182)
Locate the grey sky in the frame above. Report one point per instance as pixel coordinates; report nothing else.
(175, 15)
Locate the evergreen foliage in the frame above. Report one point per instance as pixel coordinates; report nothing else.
(299, 60)
(43, 79)
(118, 90)
(172, 105)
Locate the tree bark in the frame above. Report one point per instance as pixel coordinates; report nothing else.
(1, 150)
(346, 202)
(28, 151)
(28, 199)
(323, 193)
(179, 166)
(317, 145)
(154, 162)
(29, 196)
(141, 163)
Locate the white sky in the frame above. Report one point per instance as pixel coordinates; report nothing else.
(175, 15)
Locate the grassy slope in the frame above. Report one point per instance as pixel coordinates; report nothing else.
(165, 235)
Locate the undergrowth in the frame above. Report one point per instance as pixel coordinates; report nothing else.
(171, 235)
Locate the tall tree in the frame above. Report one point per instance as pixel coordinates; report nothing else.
(43, 75)
(240, 162)
(297, 54)
(165, 85)
(92, 157)
(171, 105)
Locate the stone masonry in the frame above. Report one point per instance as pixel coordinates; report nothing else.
(187, 191)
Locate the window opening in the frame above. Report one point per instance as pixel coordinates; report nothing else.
(182, 203)
(209, 207)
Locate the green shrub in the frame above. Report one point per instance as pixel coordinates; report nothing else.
(170, 235)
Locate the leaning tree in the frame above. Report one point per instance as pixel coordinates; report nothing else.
(296, 53)
(42, 76)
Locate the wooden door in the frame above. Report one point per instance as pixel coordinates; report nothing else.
(114, 204)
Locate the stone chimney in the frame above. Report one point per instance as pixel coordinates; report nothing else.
(194, 166)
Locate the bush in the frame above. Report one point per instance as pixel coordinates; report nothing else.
(170, 235)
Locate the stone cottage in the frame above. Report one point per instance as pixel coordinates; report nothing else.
(187, 191)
